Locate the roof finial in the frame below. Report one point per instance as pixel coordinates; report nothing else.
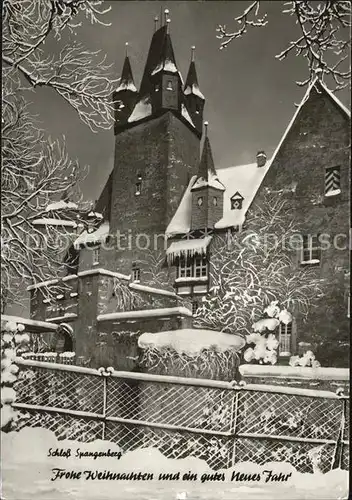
(156, 19)
(168, 21)
(192, 53)
(206, 128)
(126, 49)
(166, 15)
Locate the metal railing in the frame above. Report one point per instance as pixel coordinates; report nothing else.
(216, 421)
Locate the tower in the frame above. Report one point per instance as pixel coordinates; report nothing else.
(156, 152)
(124, 96)
(207, 192)
(193, 96)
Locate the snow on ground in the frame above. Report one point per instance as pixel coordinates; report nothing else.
(27, 471)
(191, 341)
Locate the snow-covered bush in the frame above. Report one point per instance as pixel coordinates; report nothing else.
(263, 343)
(13, 341)
(308, 359)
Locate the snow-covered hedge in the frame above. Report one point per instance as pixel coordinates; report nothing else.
(13, 342)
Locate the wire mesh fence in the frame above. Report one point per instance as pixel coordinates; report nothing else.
(211, 420)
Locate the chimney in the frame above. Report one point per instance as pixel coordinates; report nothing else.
(261, 159)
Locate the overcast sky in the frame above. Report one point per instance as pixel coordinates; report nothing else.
(250, 95)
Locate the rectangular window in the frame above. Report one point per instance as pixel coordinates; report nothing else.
(184, 268)
(311, 252)
(195, 306)
(169, 85)
(332, 181)
(136, 274)
(285, 339)
(138, 188)
(200, 266)
(96, 256)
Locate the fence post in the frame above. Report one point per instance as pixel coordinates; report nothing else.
(233, 426)
(337, 456)
(105, 382)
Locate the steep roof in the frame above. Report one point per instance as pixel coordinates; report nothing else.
(160, 57)
(126, 81)
(191, 85)
(207, 175)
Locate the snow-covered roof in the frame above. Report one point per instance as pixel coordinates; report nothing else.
(191, 341)
(126, 85)
(181, 221)
(188, 248)
(193, 89)
(61, 205)
(185, 114)
(212, 181)
(30, 324)
(149, 289)
(166, 65)
(97, 236)
(54, 222)
(245, 179)
(146, 313)
(141, 110)
(104, 272)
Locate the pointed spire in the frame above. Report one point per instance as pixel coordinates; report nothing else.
(126, 80)
(191, 85)
(207, 175)
(161, 57)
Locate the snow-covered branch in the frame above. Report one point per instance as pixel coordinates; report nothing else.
(36, 176)
(255, 268)
(81, 76)
(324, 36)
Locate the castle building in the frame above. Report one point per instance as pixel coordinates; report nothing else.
(164, 202)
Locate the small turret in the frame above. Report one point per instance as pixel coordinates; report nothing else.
(125, 95)
(193, 97)
(207, 191)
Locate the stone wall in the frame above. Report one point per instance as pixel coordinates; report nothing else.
(318, 139)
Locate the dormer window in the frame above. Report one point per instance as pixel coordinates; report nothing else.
(332, 181)
(236, 201)
(169, 85)
(200, 201)
(215, 201)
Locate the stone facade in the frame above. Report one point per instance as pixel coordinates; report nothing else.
(156, 161)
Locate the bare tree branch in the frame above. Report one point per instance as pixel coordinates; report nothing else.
(325, 38)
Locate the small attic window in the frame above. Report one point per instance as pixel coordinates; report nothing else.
(169, 85)
(157, 88)
(236, 201)
(215, 201)
(200, 201)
